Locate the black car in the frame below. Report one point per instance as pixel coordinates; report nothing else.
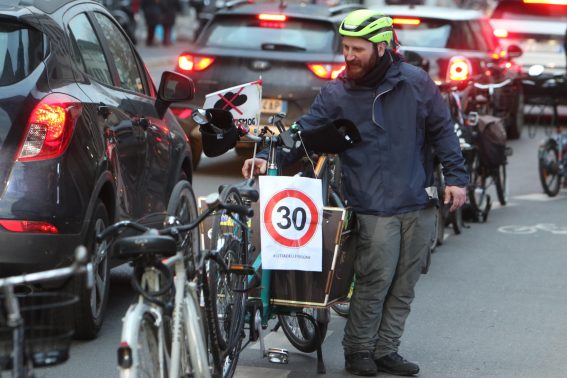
(459, 45)
(85, 139)
(295, 49)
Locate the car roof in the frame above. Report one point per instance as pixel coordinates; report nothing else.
(308, 11)
(46, 6)
(441, 13)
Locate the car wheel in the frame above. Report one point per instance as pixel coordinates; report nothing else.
(516, 120)
(89, 311)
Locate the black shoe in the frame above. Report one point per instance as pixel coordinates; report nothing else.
(395, 364)
(360, 363)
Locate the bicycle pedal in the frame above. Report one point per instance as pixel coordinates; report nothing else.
(241, 269)
(278, 356)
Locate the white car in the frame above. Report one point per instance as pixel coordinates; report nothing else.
(538, 27)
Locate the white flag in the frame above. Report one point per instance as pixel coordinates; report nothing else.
(244, 102)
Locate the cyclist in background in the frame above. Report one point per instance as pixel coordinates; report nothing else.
(388, 182)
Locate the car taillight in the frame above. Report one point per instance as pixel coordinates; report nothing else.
(272, 17)
(28, 226)
(406, 21)
(459, 69)
(550, 2)
(49, 128)
(501, 33)
(188, 62)
(327, 71)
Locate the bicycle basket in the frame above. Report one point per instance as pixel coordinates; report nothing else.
(48, 328)
(220, 134)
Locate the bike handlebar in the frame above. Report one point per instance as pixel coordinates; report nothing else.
(213, 204)
(80, 265)
(492, 85)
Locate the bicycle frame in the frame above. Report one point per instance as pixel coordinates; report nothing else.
(151, 283)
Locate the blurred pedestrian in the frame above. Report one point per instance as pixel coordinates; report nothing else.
(152, 15)
(160, 12)
(169, 13)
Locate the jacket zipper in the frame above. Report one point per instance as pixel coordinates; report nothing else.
(374, 102)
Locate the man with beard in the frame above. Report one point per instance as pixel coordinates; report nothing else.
(387, 181)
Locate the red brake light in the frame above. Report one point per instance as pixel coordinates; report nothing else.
(501, 33)
(406, 21)
(328, 71)
(551, 2)
(28, 226)
(49, 128)
(188, 62)
(459, 69)
(272, 17)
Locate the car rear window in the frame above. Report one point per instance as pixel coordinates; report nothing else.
(21, 50)
(474, 35)
(521, 10)
(250, 33)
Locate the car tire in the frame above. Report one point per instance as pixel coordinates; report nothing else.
(89, 311)
(516, 119)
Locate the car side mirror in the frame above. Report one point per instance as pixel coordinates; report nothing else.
(514, 51)
(173, 87)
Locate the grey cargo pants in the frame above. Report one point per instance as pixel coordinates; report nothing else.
(390, 253)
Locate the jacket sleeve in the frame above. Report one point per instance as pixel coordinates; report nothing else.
(317, 115)
(441, 135)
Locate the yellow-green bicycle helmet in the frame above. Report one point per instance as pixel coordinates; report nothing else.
(368, 24)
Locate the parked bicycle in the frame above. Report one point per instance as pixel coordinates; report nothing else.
(36, 326)
(163, 333)
(305, 328)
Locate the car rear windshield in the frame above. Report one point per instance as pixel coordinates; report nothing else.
(21, 50)
(521, 10)
(250, 33)
(475, 35)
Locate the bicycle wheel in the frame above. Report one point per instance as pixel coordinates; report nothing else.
(477, 193)
(183, 206)
(301, 332)
(147, 348)
(342, 309)
(548, 167)
(501, 183)
(226, 298)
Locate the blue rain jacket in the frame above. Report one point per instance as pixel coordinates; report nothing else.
(400, 122)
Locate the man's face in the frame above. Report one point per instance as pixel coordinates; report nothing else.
(360, 56)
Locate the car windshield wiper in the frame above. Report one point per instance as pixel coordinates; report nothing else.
(281, 47)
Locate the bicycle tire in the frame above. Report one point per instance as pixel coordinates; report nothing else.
(501, 182)
(341, 309)
(141, 333)
(548, 167)
(227, 310)
(477, 193)
(441, 218)
(300, 331)
(183, 205)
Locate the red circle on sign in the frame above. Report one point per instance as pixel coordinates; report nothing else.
(310, 206)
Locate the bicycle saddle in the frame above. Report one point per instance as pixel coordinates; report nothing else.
(131, 247)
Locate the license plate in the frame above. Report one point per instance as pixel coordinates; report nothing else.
(273, 105)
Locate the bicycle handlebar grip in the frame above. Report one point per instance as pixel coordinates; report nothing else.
(239, 209)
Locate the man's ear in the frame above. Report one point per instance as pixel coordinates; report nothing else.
(382, 46)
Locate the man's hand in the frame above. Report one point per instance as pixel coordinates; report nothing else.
(455, 196)
(260, 166)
